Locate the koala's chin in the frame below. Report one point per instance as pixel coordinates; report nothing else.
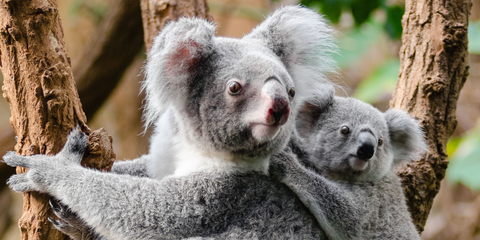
(264, 133)
(358, 164)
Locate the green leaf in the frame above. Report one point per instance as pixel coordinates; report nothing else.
(453, 144)
(381, 83)
(362, 9)
(332, 9)
(393, 25)
(464, 166)
(474, 37)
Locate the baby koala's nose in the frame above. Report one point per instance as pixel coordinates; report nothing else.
(367, 146)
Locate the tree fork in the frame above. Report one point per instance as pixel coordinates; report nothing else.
(433, 70)
(39, 86)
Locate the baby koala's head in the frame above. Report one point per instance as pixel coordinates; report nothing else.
(353, 141)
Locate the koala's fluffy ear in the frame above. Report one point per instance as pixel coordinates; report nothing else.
(406, 136)
(174, 58)
(304, 42)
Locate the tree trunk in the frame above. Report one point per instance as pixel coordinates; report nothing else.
(156, 13)
(433, 70)
(44, 103)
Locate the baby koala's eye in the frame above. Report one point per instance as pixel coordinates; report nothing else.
(345, 130)
(291, 92)
(380, 142)
(234, 88)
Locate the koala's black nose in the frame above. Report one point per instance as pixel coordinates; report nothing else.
(367, 145)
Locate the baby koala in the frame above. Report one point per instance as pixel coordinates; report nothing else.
(347, 151)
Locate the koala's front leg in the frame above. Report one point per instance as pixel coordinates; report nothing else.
(115, 206)
(335, 209)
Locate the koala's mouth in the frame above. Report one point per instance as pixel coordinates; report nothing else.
(358, 164)
(264, 132)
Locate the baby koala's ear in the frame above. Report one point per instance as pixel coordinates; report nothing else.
(406, 136)
(176, 56)
(308, 116)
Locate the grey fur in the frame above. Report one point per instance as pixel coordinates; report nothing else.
(348, 204)
(187, 74)
(202, 204)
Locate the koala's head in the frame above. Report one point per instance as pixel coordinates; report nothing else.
(240, 95)
(351, 140)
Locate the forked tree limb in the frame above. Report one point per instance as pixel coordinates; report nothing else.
(433, 69)
(107, 54)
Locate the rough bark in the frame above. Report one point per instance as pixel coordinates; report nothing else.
(156, 13)
(111, 49)
(44, 103)
(433, 70)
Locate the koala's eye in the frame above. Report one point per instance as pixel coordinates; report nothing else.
(234, 88)
(291, 92)
(345, 130)
(380, 142)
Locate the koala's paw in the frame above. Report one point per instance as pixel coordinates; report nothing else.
(44, 170)
(283, 164)
(69, 223)
(23, 182)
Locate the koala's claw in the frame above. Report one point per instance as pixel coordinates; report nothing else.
(69, 223)
(55, 206)
(53, 221)
(76, 142)
(65, 215)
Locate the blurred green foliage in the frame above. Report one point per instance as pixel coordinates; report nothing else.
(94, 10)
(361, 11)
(356, 42)
(474, 37)
(380, 84)
(464, 166)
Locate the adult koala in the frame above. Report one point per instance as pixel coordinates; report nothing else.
(347, 151)
(232, 103)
